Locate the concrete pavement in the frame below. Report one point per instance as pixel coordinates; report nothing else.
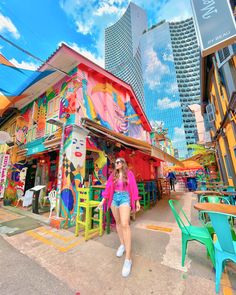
(21, 275)
(92, 266)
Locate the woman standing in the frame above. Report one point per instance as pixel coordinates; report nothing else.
(121, 194)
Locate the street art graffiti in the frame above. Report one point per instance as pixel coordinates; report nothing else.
(21, 130)
(4, 161)
(15, 183)
(39, 116)
(79, 95)
(21, 182)
(73, 172)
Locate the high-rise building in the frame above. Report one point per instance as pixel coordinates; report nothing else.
(162, 64)
(122, 48)
(186, 54)
(162, 98)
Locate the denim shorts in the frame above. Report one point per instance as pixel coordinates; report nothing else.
(120, 198)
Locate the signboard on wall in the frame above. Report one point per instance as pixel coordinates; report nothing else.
(215, 24)
(4, 160)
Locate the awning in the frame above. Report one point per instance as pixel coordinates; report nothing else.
(158, 153)
(186, 166)
(100, 130)
(152, 151)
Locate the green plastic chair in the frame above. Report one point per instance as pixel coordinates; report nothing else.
(145, 196)
(225, 246)
(211, 199)
(215, 200)
(190, 232)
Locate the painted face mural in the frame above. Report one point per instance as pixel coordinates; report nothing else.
(73, 172)
(23, 174)
(75, 151)
(21, 130)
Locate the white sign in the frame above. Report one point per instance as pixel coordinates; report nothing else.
(37, 188)
(215, 24)
(4, 160)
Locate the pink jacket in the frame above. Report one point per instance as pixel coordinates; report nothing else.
(131, 187)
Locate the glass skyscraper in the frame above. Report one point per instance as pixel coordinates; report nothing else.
(187, 65)
(162, 64)
(162, 98)
(122, 48)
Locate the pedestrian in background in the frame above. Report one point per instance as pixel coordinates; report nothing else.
(121, 193)
(172, 179)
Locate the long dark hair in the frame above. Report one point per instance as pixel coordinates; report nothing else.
(124, 170)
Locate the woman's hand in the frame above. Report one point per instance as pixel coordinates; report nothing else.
(100, 205)
(137, 206)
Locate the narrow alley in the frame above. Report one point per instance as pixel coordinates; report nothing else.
(83, 267)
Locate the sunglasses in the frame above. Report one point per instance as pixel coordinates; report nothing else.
(118, 162)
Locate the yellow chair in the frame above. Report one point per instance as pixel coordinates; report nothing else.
(88, 219)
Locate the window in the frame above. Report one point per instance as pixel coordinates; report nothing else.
(228, 166)
(210, 112)
(235, 152)
(223, 55)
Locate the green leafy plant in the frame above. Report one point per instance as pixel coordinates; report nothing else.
(203, 155)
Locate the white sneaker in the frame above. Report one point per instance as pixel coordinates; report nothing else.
(120, 251)
(126, 268)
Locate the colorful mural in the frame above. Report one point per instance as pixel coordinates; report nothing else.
(4, 162)
(73, 172)
(15, 183)
(80, 95)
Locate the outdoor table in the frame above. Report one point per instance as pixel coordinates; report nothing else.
(222, 208)
(213, 186)
(207, 193)
(228, 193)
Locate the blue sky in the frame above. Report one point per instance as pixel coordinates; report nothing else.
(39, 26)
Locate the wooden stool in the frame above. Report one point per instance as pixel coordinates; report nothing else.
(86, 204)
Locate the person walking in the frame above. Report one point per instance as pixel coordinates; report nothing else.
(172, 179)
(121, 193)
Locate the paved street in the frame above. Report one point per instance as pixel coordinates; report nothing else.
(20, 275)
(43, 260)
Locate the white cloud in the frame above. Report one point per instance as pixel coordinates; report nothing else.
(170, 10)
(6, 25)
(83, 28)
(179, 135)
(92, 17)
(154, 70)
(86, 53)
(165, 104)
(107, 8)
(24, 64)
(173, 87)
(168, 57)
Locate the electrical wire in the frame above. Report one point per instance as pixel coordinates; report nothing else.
(32, 55)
